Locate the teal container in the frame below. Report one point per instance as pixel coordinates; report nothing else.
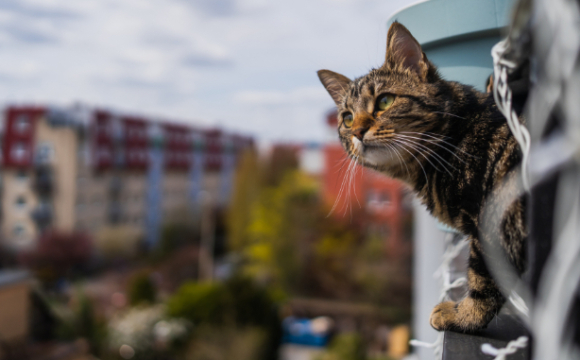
(457, 35)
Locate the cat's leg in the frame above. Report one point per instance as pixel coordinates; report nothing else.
(482, 303)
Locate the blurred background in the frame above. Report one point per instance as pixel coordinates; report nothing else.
(172, 186)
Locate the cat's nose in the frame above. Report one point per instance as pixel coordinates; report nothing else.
(362, 123)
(360, 132)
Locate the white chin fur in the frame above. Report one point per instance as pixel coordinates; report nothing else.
(358, 146)
(376, 157)
(371, 156)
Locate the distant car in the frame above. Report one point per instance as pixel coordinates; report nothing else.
(312, 332)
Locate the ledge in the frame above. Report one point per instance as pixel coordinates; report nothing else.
(502, 329)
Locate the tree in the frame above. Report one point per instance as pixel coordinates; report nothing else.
(283, 218)
(247, 188)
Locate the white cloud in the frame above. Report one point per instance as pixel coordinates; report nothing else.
(248, 65)
(301, 95)
(25, 70)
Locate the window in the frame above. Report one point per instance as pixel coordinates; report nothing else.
(104, 128)
(22, 124)
(138, 155)
(18, 230)
(103, 154)
(21, 176)
(44, 152)
(20, 202)
(132, 133)
(154, 131)
(45, 205)
(378, 199)
(19, 152)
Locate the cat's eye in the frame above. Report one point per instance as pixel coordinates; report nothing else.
(384, 102)
(347, 119)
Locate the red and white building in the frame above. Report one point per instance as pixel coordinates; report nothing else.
(86, 170)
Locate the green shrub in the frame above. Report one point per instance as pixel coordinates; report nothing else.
(237, 303)
(238, 300)
(345, 347)
(252, 304)
(227, 343)
(141, 289)
(80, 321)
(201, 303)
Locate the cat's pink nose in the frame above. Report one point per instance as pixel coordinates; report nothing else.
(360, 132)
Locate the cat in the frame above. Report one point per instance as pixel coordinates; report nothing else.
(450, 144)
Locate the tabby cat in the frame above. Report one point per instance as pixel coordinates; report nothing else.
(449, 143)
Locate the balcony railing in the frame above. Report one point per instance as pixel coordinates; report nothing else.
(42, 215)
(44, 181)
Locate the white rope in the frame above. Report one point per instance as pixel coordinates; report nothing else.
(456, 284)
(512, 347)
(503, 98)
(424, 344)
(449, 255)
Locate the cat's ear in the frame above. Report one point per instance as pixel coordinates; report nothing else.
(404, 51)
(335, 84)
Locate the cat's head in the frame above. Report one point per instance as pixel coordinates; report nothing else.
(398, 99)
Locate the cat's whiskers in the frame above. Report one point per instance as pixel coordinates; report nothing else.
(342, 185)
(437, 157)
(383, 137)
(349, 187)
(342, 162)
(421, 165)
(433, 136)
(353, 186)
(394, 147)
(347, 183)
(434, 142)
(420, 152)
(446, 113)
(422, 149)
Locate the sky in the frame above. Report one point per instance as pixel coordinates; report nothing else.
(245, 65)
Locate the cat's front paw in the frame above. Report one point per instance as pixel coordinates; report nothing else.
(466, 316)
(444, 316)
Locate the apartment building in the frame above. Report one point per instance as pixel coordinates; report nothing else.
(91, 170)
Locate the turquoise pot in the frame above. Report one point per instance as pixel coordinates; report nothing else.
(457, 35)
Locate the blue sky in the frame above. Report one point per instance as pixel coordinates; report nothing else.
(248, 65)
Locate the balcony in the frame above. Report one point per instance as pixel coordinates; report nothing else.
(115, 186)
(115, 213)
(44, 181)
(42, 215)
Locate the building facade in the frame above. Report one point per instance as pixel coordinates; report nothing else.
(81, 170)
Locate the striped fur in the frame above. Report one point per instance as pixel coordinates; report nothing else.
(450, 144)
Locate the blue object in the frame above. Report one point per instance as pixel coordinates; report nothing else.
(457, 35)
(299, 331)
